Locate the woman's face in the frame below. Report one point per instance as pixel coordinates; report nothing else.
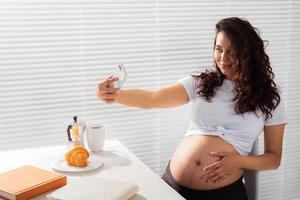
(223, 55)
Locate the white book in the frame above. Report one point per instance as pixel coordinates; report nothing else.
(95, 188)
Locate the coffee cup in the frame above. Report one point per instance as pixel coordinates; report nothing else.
(95, 136)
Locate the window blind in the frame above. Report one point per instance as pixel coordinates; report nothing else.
(41, 71)
(54, 53)
(291, 160)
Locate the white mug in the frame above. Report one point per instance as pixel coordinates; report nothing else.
(95, 136)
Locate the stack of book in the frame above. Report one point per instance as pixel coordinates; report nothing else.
(27, 181)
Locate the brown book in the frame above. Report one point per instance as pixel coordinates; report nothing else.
(28, 181)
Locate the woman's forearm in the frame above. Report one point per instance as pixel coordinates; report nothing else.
(264, 161)
(166, 97)
(135, 98)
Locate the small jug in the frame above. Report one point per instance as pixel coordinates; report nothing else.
(75, 132)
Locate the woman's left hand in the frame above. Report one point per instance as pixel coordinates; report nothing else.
(219, 170)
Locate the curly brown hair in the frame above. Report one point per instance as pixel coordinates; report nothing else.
(254, 84)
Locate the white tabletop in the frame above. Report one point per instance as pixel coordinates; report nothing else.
(119, 164)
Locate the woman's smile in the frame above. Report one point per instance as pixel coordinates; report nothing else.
(225, 66)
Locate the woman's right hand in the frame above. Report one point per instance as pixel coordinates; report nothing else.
(106, 91)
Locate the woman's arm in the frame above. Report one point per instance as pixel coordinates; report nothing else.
(270, 159)
(273, 139)
(171, 96)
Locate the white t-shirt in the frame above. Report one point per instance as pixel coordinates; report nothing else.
(218, 117)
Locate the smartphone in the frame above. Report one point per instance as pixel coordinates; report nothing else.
(121, 73)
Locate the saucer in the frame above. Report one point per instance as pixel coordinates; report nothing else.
(93, 163)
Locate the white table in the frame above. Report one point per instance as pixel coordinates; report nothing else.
(119, 164)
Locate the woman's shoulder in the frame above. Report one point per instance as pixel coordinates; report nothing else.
(191, 83)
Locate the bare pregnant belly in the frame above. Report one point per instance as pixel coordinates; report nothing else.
(192, 155)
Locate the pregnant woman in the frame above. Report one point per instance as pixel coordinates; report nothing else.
(232, 105)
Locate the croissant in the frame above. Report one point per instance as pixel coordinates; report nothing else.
(77, 156)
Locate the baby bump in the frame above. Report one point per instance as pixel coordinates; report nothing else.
(192, 155)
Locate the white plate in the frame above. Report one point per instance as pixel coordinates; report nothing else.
(93, 163)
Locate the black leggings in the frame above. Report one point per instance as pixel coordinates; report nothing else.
(234, 191)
